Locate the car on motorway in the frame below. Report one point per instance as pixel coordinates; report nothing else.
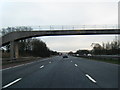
(65, 56)
(89, 54)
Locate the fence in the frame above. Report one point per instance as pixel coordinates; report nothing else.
(7, 30)
(103, 57)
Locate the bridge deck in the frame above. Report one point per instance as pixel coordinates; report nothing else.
(18, 35)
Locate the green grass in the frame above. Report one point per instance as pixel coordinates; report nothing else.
(113, 61)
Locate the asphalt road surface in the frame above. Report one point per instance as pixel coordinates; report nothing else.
(59, 72)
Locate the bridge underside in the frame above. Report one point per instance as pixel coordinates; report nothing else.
(13, 37)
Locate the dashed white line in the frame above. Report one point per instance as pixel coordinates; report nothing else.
(90, 78)
(42, 66)
(71, 61)
(76, 65)
(12, 83)
(49, 62)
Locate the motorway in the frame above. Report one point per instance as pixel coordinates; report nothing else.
(59, 72)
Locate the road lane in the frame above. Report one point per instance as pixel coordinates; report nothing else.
(106, 74)
(58, 72)
(10, 75)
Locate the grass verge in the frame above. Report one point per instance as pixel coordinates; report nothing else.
(108, 60)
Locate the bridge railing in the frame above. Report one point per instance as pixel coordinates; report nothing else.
(74, 27)
(7, 30)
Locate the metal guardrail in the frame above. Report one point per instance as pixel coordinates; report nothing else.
(116, 57)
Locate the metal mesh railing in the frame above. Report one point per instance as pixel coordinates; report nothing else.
(73, 27)
(7, 30)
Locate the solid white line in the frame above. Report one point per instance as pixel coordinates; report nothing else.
(22, 65)
(90, 78)
(42, 66)
(5, 69)
(12, 83)
(76, 65)
(18, 66)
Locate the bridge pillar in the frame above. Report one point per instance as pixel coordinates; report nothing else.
(14, 51)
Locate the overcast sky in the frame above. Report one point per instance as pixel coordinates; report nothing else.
(61, 12)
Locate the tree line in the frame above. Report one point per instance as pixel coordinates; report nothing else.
(109, 48)
(13, 29)
(33, 47)
(28, 47)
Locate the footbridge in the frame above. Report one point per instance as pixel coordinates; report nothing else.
(14, 36)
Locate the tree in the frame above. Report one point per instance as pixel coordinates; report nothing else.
(39, 48)
(97, 48)
(70, 53)
(82, 52)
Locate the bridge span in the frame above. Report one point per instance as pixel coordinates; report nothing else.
(14, 37)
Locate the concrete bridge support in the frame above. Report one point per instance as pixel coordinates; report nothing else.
(14, 51)
(11, 50)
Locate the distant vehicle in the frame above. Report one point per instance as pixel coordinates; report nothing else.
(89, 55)
(60, 54)
(65, 56)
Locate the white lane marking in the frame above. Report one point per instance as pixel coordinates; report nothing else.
(71, 61)
(22, 65)
(30, 63)
(5, 69)
(18, 65)
(42, 66)
(12, 67)
(12, 83)
(76, 65)
(90, 78)
(49, 62)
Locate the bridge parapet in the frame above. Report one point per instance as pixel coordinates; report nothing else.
(7, 30)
